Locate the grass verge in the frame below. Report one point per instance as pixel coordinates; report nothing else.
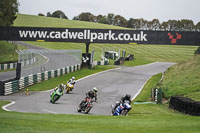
(48, 123)
(8, 52)
(7, 70)
(183, 79)
(145, 94)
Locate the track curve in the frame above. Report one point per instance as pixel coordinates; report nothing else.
(112, 85)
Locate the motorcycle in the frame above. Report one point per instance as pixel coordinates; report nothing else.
(121, 109)
(69, 87)
(85, 106)
(55, 95)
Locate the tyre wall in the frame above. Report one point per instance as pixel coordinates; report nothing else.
(185, 105)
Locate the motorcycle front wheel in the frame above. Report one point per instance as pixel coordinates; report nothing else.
(55, 98)
(79, 109)
(124, 112)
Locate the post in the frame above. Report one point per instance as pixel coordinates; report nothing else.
(18, 71)
(86, 56)
(87, 47)
(2, 88)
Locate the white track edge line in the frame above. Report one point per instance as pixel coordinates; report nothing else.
(49, 111)
(89, 76)
(7, 105)
(140, 89)
(97, 74)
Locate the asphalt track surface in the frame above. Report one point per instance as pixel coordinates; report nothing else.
(112, 85)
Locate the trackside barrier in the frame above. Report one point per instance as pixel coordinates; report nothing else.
(129, 57)
(119, 61)
(185, 105)
(111, 55)
(8, 66)
(105, 62)
(157, 95)
(16, 85)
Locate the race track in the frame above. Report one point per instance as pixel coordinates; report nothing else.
(112, 86)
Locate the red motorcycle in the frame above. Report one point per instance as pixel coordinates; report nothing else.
(86, 105)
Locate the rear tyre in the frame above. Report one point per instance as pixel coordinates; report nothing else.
(123, 111)
(67, 91)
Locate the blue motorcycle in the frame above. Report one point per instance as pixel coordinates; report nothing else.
(121, 109)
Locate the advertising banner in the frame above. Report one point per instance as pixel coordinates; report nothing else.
(98, 35)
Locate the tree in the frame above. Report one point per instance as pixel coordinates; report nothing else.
(48, 14)
(180, 26)
(120, 21)
(87, 16)
(197, 51)
(102, 19)
(188, 25)
(142, 23)
(40, 14)
(76, 18)
(59, 14)
(155, 24)
(133, 23)
(170, 25)
(110, 18)
(8, 10)
(164, 26)
(197, 27)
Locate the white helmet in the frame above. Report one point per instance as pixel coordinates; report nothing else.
(73, 78)
(95, 89)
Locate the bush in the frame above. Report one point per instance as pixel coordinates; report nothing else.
(197, 51)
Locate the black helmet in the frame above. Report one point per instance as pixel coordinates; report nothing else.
(128, 96)
(61, 86)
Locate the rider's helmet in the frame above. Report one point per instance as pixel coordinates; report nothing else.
(61, 86)
(117, 102)
(73, 78)
(128, 96)
(95, 89)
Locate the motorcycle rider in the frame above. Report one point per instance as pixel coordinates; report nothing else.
(72, 81)
(60, 87)
(91, 94)
(127, 97)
